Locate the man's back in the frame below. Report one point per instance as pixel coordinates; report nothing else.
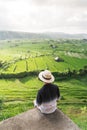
(48, 93)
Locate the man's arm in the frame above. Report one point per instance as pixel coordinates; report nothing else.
(58, 93)
(39, 99)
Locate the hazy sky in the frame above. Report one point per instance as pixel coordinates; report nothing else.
(68, 16)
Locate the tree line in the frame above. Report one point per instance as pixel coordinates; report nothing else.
(60, 75)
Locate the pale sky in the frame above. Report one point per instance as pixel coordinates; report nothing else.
(69, 16)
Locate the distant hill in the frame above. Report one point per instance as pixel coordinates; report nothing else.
(48, 35)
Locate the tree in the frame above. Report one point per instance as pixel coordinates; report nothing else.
(69, 72)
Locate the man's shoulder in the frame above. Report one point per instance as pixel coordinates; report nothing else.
(54, 85)
(50, 85)
(41, 89)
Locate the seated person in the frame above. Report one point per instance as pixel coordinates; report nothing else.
(48, 95)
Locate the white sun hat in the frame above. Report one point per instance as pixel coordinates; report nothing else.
(46, 76)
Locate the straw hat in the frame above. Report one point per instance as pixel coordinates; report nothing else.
(46, 76)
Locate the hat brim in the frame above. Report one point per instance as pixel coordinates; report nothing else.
(45, 80)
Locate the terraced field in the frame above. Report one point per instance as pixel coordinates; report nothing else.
(17, 94)
(29, 56)
(44, 62)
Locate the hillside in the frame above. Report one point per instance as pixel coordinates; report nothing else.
(48, 35)
(22, 60)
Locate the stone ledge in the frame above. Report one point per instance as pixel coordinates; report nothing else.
(35, 120)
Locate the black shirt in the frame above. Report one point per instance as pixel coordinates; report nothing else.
(47, 93)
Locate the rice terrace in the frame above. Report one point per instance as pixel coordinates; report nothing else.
(22, 60)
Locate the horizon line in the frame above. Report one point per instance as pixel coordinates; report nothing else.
(39, 32)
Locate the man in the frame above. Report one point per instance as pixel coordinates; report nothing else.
(48, 95)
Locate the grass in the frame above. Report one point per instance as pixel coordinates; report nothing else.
(32, 51)
(44, 62)
(18, 96)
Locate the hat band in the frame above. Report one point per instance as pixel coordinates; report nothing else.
(46, 78)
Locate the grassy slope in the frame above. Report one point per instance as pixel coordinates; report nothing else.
(18, 95)
(73, 53)
(43, 62)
